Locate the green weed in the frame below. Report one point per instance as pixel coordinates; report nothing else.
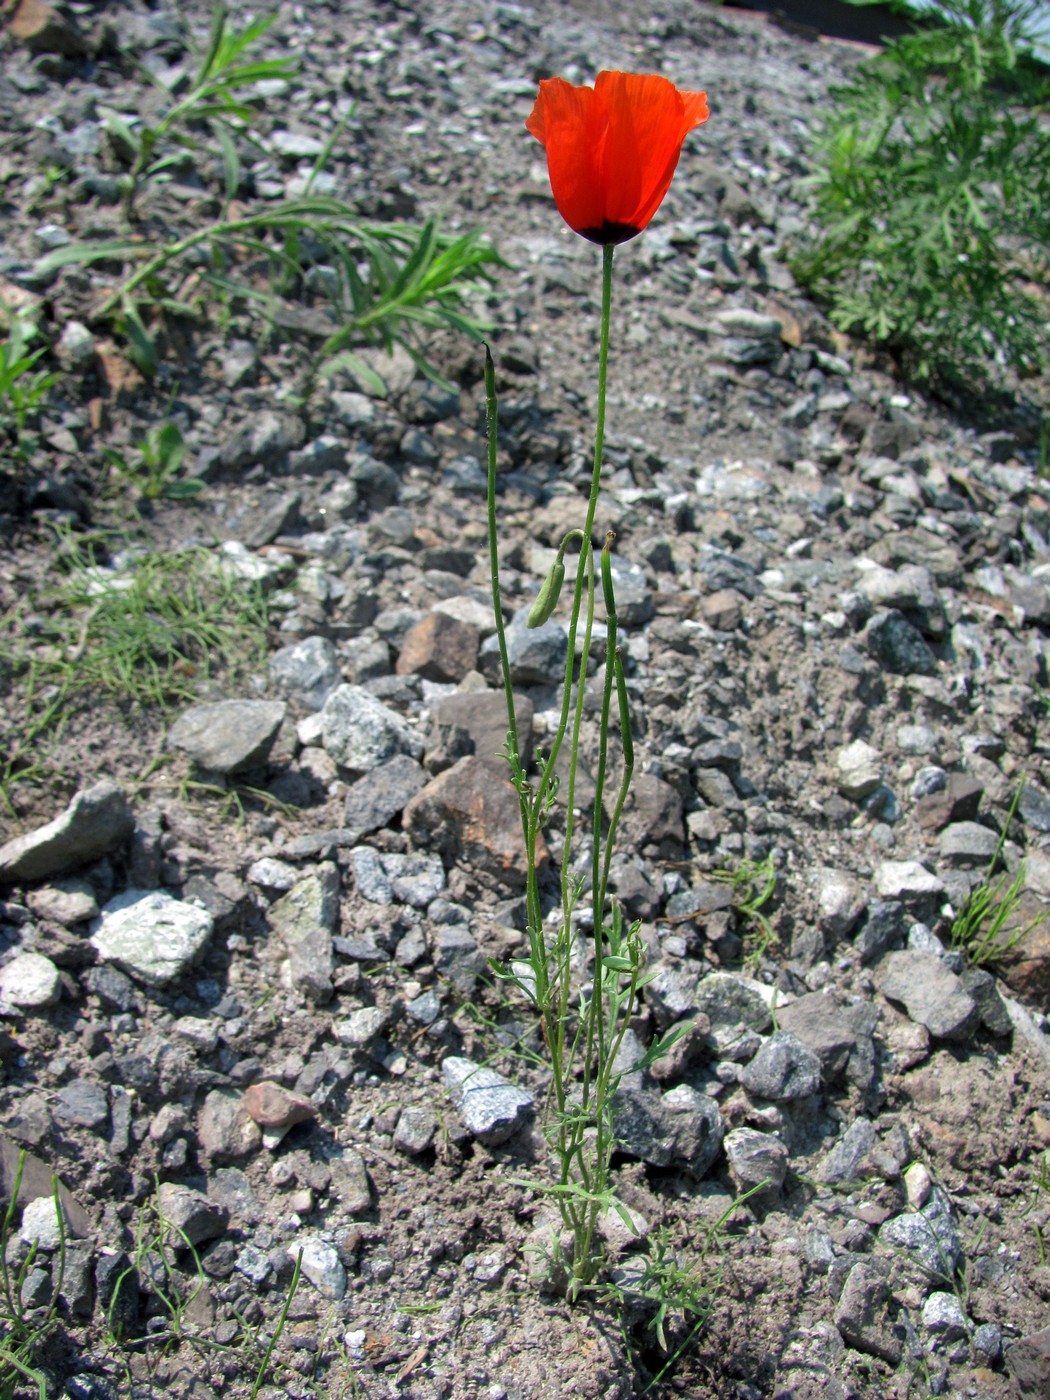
(154, 471)
(932, 183)
(22, 387)
(23, 1331)
(388, 283)
(214, 101)
(151, 632)
(985, 928)
(753, 883)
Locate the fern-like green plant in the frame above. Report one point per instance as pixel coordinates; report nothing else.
(930, 193)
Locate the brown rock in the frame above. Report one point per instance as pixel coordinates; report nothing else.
(439, 647)
(475, 722)
(723, 610)
(466, 815)
(224, 1128)
(958, 802)
(1026, 967)
(47, 28)
(273, 1107)
(653, 812)
(1028, 1361)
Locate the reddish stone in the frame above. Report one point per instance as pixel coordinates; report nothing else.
(439, 647)
(273, 1107)
(1025, 968)
(468, 815)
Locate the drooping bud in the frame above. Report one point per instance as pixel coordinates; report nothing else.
(547, 598)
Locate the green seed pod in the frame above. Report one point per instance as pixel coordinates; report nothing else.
(547, 598)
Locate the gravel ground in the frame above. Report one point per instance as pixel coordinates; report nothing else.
(241, 1025)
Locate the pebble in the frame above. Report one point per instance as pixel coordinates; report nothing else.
(227, 736)
(932, 994)
(322, 1266)
(30, 982)
(492, 1108)
(151, 936)
(96, 823)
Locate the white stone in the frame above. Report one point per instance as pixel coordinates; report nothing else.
(30, 982)
(859, 769)
(41, 1225)
(322, 1266)
(151, 936)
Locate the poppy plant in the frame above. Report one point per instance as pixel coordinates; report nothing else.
(612, 149)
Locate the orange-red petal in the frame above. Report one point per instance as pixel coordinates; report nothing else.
(612, 149)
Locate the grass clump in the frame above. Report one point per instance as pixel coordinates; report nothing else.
(24, 1330)
(932, 185)
(986, 928)
(23, 387)
(151, 632)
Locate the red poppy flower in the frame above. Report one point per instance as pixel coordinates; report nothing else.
(612, 149)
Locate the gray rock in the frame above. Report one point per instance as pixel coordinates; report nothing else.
(191, 1217)
(1034, 808)
(824, 1027)
(755, 1158)
(306, 918)
(670, 992)
(350, 1185)
(861, 1314)
(536, 656)
(30, 982)
(929, 1236)
(458, 958)
(297, 145)
(151, 936)
(840, 901)
(843, 1163)
(991, 1008)
(680, 1128)
(96, 823)
(739, 321)
(906, 880)
(76, 347)
(370, 878)
(264, 439)
(415, 1131)
(228, 736)
(416, 878)
(929, 992)
(730, 1001)
(898, 646)
(968, 843)
(306, 671)
(882, 927)
(68, 902)
(374, 800)
(360, 732)
(82, 1103)
(943, 1317)
(987, 1342)
(783, 1069)
(322, 1266)
(492, 1108)
(361, 1027)
(43, 1225)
